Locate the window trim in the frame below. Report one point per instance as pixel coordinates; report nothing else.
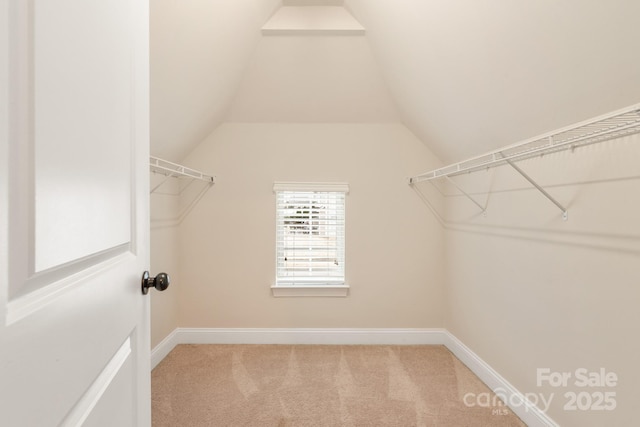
(309, 289)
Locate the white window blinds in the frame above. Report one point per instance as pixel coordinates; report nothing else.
(310, 233)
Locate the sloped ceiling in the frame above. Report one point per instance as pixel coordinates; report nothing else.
(465, 76)
(199, 51)
(471, 76)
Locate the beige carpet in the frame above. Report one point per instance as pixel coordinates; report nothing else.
(284, 385)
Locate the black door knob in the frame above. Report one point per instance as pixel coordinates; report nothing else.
(160, 282)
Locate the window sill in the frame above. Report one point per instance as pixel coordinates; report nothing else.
(310, 290)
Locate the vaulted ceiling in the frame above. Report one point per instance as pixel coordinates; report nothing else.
(465, 76)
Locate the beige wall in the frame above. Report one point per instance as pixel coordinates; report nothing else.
(394, 244)
(164, 258)
(164, 305)
(526, 290)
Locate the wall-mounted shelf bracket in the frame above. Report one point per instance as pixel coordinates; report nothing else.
(565, 213)
(475, 202)
(184, 193)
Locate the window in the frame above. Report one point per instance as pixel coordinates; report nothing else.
(310, 239)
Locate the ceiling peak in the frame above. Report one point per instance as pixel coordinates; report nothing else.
(312, 2)
(312, 20)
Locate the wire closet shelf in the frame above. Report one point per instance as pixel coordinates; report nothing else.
(175, 170)
(603, 128)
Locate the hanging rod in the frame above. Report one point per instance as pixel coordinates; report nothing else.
(603, 128)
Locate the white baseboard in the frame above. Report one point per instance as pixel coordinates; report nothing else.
(312, 336)
(165, 346)
(529, 413)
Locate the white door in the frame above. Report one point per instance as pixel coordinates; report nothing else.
(74, 333)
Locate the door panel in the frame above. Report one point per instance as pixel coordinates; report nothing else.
(74, 328)
(120, 386)
(80, 145)
(100, 403)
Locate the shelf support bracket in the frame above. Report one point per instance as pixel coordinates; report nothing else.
(166, 178)
(565, 213)
(483, 209)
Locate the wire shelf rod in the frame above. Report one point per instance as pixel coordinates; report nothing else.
(613, 125)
